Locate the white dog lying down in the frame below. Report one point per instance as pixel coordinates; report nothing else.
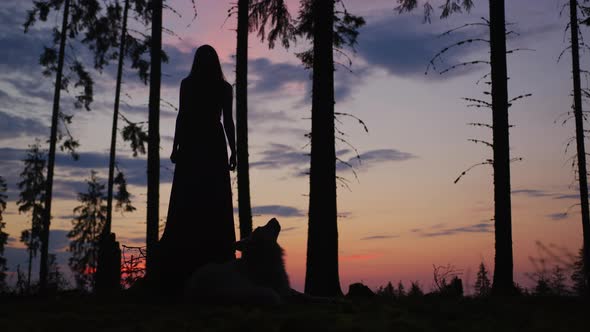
(259, 277)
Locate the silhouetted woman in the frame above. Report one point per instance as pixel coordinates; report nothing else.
(200, 223)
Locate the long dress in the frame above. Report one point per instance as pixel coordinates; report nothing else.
(200, 223)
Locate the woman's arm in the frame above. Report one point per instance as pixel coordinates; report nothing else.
(178, 128)
(228, 124)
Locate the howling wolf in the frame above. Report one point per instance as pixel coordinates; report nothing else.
(259, 277)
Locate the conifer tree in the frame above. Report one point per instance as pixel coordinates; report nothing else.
(401, 291)
(482, 283)
(88, 224)
(580, 285)
(55, 278)
(415, 290)
(31, 201)
(3, 235)
(557, 281)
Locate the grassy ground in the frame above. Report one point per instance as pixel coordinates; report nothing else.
(421, 314)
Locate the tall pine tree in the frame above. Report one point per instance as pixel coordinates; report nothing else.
(77, 16)
(53, 137)
(322, 277)
(243, 167)
(153, 167)
(253, 15)
(503, 264)
(582, 173)
(328, 29)
(109, 265)
(112, 154)
(503, 283)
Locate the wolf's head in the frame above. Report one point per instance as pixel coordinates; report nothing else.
(263, 257)
(264, 237)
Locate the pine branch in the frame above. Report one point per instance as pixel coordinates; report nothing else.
(487, 162)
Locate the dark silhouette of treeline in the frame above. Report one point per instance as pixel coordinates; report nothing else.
(328, 25)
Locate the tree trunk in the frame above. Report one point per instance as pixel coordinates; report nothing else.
(30, 267)
(113, 152)
(153, 171)
(581, 149)
(107, 265)
(244, 208)
(503, 270)
(321, 277)
(51, 157)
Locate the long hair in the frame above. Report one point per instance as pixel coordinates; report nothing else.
(206, 66)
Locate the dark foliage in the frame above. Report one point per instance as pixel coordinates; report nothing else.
(274, 15)
(542, 287)
(99, 24)
(104, 37)
(21, 287)
(101, 35)
(580, 285)
(522, 314)
(137, 51)
(401, 292)
(346, 26)
(387, 291)
(557, 283)
(447, 8)
(133, 265)
(136, 136)
(122, 196)
(82, 18)
(86, 83)
(550, 282)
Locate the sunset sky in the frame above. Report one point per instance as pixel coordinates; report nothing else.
(404, 213)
